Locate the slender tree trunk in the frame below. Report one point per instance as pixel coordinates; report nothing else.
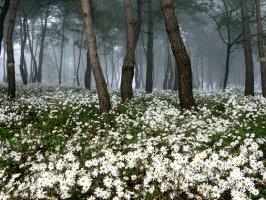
(23, 64)
(149, 75)
(181, 56)
(43, 35)
(74, 62)
(10, 50)
(106, 64)
(80, 51)
(33, 76)
(129, 60)
(87, 79)
(2, 19)
(249, 83)
(62, 51)
(104, 99)
(4, 64)
(227, 64)
(261, 48)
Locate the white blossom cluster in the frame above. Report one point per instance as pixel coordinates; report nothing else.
(156, 150)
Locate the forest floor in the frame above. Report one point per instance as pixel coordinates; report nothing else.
(53, 146)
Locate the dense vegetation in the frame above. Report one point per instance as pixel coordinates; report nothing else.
(53, 145)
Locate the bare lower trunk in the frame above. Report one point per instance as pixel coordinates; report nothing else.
(87, 79)
(104, 99)
(261, 48)
(2, 19)
(129, 60)
(23, 64)
(10, 51)
(249, 83)
(227, 64)
(181, 56)
(149, 75)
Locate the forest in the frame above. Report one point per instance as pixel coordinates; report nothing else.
(133, 99)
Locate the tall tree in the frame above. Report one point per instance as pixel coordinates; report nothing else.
(249, 84)
(3, 13)
(149, 74)
(10, 51)
(129, 60)
(44, 23)
(104, 99)
(261, 48)
(181, 56)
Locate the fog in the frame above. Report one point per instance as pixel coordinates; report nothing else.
(65, 44)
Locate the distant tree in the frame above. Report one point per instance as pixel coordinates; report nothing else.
(129, 60)
(249, 84)
(226, 15)
(10, 50)
(181, 56)
(4, 8)
(104, 99)
(149, 74)
(262, 58)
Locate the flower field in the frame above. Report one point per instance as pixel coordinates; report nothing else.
(54, 145)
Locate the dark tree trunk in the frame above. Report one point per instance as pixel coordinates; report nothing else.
(181, 56)
(10, 51)
(23, 64)
(227, 65)
(129, 60)
(4, 64)
(62, 51)
(43, 35)
(261, 48)
(249, 83)
(80, 49)
(149, 75)
(104, 99)
(33, 76)
(2, 19)
(87, 79)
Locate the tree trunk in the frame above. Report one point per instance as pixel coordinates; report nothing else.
(62, 51)
(80, 49)
(10, 51)
(181, 56)
(104, 99)
(249, 83)
(149, 75)
(261, 48)
(23, 64)
(227, 64)
(129, 60)
(2, 19)
(43, 34)
(4, 64)
(87, 79)
(33, 76)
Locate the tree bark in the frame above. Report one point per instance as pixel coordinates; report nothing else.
(149, 74)
(129, 60)
(62, 51)
(2, 19)
(10, 50)
(23, 64)
(104, 99)
(43, 35)
(261, 48)
(181, 56)
(87, 78)
(249, 83)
